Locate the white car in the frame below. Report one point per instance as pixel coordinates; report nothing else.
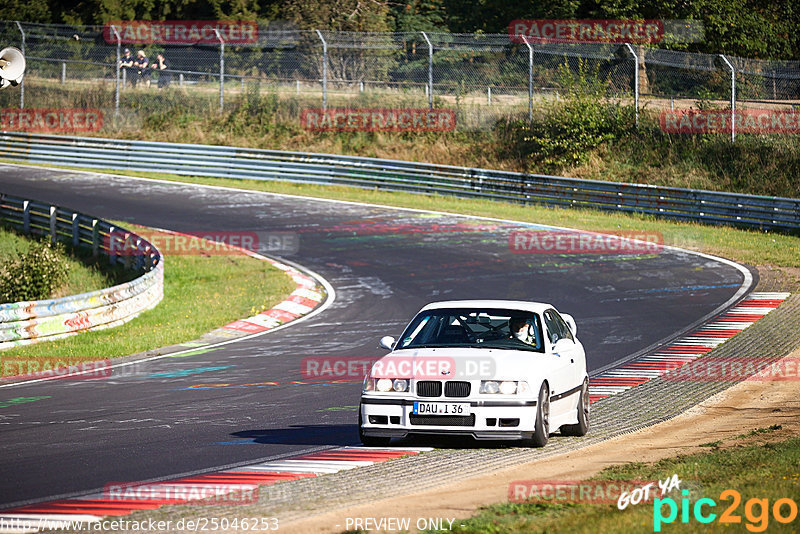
(491, 369)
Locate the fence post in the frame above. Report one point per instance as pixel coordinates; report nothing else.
(635, 81)
(430, 70)
(22, 83)
(733, 96)
(324, 70)
(119, 58)
(221, 69)
(530, 77)
(63, 73)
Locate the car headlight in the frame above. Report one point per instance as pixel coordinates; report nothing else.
(505, 387)
(508, 388)
(490, 386)
(400, 385)
(385, 385)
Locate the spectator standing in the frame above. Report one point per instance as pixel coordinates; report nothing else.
(164, 75)
(143, 66)
(128, 63)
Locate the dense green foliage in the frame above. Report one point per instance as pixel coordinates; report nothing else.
(747, 28)
(35, 274)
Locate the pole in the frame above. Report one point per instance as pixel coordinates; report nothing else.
(116, 90)
(530, 77)
(635, 81)
(733, 96)
(430, 70)
(221, 69)
(22, 83)
(324, 70)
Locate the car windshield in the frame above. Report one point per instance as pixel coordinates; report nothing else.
(488, 328)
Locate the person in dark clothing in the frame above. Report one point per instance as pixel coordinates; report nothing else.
(164, 76)
(128, 63)
(143, 66)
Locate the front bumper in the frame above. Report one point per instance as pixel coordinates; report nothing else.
(489, 419)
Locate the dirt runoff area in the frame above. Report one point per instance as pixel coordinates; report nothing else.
(747, 406)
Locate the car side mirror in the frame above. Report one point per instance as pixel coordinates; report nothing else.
(387, 342)
(570, 320)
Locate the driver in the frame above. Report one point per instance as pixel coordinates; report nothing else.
(520, 329)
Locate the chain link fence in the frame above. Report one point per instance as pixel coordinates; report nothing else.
(483, 77)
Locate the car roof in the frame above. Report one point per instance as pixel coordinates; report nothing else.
(522, 305)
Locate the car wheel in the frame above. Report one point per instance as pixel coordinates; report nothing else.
(582, 426)
(542, 431)
(370, 441)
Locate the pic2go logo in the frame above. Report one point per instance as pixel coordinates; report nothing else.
(756, 511)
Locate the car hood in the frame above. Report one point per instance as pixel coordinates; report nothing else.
(463, 364)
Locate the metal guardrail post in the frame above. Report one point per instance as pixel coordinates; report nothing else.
(95, 238)
(635, 81)
(22, 83)
(733, 96)
(76, 229)
(119, 58)
(324, 70)
(530, 77)
(26, 217)
(53, 222)
(430, 70)
(112, 256)
(221, 69)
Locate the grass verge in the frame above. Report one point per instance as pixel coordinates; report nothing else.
(764, 472)
(201, 292)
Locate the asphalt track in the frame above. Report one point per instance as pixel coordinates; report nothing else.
(384, 265)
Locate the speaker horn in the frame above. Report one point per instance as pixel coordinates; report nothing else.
(12, 66)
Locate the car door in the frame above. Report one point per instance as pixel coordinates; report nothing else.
(561, 345)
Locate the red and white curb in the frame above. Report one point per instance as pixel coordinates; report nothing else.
(67, 513)
(687, 349)
(306, 297)
(300, 302)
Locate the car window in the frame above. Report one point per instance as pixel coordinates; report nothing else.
(563, 326)
(557, 327)
(478, 328)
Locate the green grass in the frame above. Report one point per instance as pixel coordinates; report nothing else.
(764, 471)
(85, 273)
(748, 246)
(200, 293)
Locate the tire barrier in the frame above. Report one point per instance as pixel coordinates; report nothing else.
(23, 323)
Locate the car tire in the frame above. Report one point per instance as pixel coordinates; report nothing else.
(582, 426)
(370, 441)
(542, 430)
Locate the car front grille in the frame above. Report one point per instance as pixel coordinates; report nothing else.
(443, 420)
(457, 389)
(429, 388)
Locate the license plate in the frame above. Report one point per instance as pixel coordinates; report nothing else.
(441, 408)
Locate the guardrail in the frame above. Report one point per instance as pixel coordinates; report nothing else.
(23, 323)
(769, 213)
